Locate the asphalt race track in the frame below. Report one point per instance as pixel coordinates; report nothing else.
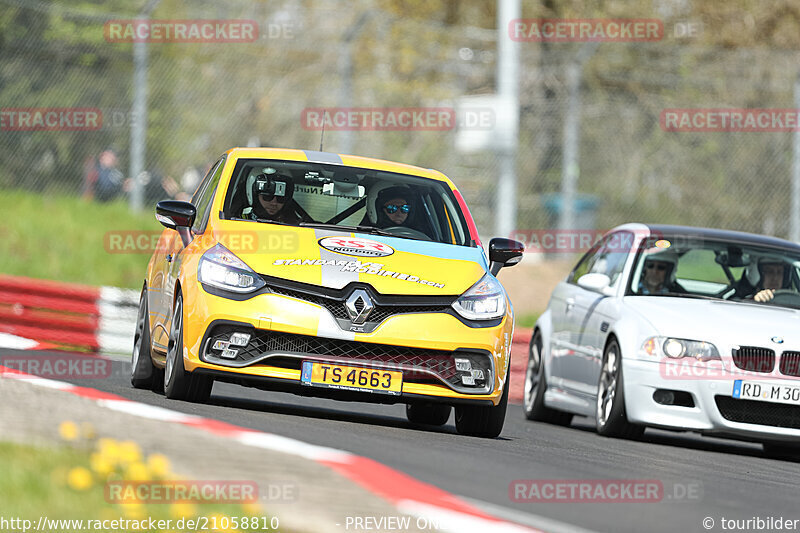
(702, 477)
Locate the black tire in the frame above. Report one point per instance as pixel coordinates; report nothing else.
(142, 369)
(179, 384)
(610, 414)
(781, 450)
(429, 414)
(536, 386)
(479, 421)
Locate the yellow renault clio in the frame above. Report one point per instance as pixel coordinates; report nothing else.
(329, 275)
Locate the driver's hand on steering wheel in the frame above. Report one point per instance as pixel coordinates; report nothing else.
(764, 295)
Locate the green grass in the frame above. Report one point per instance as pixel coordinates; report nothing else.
(526, 320)
(65, 238)
(35, 482)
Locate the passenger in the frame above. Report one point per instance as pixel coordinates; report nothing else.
(394, 207)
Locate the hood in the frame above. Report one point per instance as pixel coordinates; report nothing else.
(333, 259)
(721, 322)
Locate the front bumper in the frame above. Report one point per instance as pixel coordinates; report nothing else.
(643, 378)
(268, 313)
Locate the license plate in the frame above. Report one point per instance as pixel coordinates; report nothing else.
(766, 392)
(351, 378)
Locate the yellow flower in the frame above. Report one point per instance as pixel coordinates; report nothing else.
(129, 452)
(158, 465)
(68, 430)
(252, 508)
(101, 464)
(182, 510)
(137, 472)
(134, 510)
(79, 478)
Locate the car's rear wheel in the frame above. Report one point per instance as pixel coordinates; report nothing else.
(479, 421)
(431, 414)
(142, 370)
(179, 384)
(781, 450)
(610, 416)
(536, 386)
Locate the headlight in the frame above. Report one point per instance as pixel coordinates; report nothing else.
(220, 268)
(483, 301)
(680, 348)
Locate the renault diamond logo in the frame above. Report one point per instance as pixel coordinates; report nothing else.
(359, 305)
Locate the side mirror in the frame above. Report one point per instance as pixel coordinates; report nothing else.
(595, 282)
(177, 215)
(503, 253)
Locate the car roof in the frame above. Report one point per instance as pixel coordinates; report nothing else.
(338, 159)
(714, 234)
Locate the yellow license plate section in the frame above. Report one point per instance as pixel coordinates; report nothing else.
(351, 378)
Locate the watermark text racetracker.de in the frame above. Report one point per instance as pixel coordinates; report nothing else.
(50, 119)
(60, 366)
(214, 522)
(602, 491)
(553, 30)
(181, 31)
(397, 119)
(730, 120)
(245, 241)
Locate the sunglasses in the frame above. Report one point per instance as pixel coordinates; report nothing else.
(391, 208)
(268, 198)
(659, 267)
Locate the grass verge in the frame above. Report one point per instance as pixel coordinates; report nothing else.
(65, 238)
(61, 485)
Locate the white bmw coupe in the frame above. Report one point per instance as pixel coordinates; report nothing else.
(674, 327)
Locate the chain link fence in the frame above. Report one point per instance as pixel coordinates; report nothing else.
(204, 97)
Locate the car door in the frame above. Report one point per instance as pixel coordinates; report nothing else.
(562, 305)
(591, 314)
(174, 245)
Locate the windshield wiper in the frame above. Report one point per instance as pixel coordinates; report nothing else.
(362, 229)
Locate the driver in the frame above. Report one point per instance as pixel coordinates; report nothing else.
(272, 202)
(773, 275)
(658, 274)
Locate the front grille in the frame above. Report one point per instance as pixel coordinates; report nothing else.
(380, 311)
(416, 363)
(790, 363)
(759, 413)
(754, 359)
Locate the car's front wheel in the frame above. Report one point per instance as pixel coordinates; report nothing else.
(536, 386)
(610, 417)
(431, 414)
(142, 370)
(179, 384)
(480, 421)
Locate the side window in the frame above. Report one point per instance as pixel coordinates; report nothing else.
(204, 195)
(607, 257)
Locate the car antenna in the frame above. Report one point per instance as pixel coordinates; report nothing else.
(322, 135)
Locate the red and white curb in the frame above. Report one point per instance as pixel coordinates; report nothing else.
(407, 494)
(100, 319)
(15, 342)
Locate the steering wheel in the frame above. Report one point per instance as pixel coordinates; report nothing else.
(402, 231)
(785, 297)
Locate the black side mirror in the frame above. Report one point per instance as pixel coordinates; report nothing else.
(177, 215)
(503, 253)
